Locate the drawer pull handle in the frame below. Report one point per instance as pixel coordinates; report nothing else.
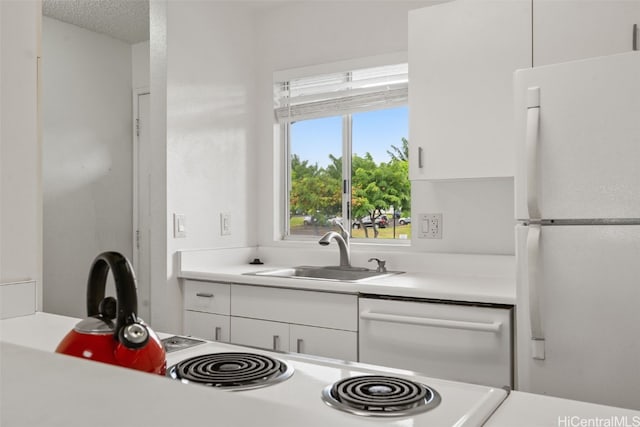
(299, 345)
(218, 333)
(276, 342)
(436, 323)
(204, 295)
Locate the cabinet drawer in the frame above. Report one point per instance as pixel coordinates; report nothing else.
(462, 343)
(329, 310)
(207, 297)
(260, 333)
(208, 326)
(17, 299)
(324, 342)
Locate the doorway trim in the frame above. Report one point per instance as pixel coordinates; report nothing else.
(136, 93)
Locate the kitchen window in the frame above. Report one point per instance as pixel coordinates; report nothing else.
(360, 115)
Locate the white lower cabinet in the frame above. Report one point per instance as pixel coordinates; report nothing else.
(309, 322)
(214, 327)
(281, 336)
(443, 340)
(260, 333)
(206, 310)
(313, 308)
(323, 342)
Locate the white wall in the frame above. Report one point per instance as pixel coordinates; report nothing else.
(209, 130)
(140, 65)
(20, 177)
(212, 66)
(312, 33)
(87, 158)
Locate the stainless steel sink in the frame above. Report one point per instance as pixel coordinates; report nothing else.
(335, 273)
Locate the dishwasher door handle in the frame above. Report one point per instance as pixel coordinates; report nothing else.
(436, 323)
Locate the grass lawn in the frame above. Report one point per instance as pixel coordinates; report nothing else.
(384, 233)
(296, 221)
(298, 228)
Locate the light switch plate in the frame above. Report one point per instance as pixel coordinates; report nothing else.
(179, 226)
(225, 223)
(430, 226)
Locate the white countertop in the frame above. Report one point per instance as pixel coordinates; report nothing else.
(495, 290)
(41, 388)
(46, 389)
(467, 278)
(535, 410)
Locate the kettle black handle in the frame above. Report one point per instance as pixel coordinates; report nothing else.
(125, 281)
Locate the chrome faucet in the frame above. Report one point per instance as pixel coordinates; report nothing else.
(382, 268)
(343, 244)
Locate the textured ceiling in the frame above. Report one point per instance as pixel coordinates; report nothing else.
(127, 20)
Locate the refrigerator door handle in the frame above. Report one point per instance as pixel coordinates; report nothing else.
(533, 283)
(533, 124)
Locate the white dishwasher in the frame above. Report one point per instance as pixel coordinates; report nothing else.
(470, 343)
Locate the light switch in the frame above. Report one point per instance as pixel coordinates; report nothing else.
(179, 226)
(225, 224)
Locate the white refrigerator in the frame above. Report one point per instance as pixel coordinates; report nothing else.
(578, 234)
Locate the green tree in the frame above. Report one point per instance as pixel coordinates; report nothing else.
(400, 154)
(313, 189)
(375, 188)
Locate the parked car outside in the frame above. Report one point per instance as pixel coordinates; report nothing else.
(381, 222)
(404, 220)
(320, 219)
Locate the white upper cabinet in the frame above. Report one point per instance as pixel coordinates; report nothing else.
(568, 30)
(462, 56)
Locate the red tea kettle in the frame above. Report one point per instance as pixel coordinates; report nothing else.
(130, 342)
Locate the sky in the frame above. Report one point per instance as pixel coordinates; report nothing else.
(373, 132)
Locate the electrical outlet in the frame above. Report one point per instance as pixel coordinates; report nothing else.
(225, 224)
(430, 226)
(179, 226)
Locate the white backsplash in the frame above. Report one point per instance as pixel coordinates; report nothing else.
(477, 215)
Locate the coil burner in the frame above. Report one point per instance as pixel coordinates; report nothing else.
(380, 396)
(231, 371)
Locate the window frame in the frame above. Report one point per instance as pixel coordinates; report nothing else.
(282, 138)
(347, 152)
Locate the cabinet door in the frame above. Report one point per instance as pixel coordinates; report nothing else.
(462, 56)
(208, 326)
(324, 342)
(569, 30)
(325, 309)
(260, 333)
